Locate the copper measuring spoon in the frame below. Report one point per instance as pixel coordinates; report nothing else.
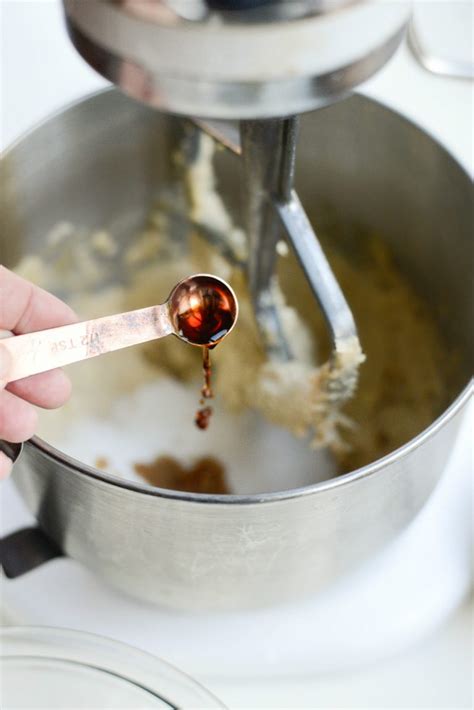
(201, 310)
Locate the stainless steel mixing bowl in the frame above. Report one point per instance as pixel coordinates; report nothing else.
(361, 167)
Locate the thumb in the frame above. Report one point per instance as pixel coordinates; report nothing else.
(5, 358)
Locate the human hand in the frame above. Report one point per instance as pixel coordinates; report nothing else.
(25, 308)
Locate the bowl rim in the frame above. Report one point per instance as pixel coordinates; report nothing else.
(79, 468)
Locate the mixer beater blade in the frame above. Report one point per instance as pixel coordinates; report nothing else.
(268, 151)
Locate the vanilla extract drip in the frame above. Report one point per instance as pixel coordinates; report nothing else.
(204, 414)
(206, 390)
(203, 417)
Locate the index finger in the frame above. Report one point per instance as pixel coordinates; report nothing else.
(25, 308)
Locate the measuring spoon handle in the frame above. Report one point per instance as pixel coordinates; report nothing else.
(44, 350)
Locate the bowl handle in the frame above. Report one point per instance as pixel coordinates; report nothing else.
(24, 550)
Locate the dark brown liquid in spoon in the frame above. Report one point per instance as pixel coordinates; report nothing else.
(205, 311)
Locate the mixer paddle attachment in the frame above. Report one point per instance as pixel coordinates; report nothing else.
(268, 152)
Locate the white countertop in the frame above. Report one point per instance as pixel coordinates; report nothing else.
(41, 73)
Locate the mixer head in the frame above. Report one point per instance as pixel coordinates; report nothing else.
(236, 58)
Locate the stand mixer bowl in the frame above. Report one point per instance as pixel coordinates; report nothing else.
(195, 551)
